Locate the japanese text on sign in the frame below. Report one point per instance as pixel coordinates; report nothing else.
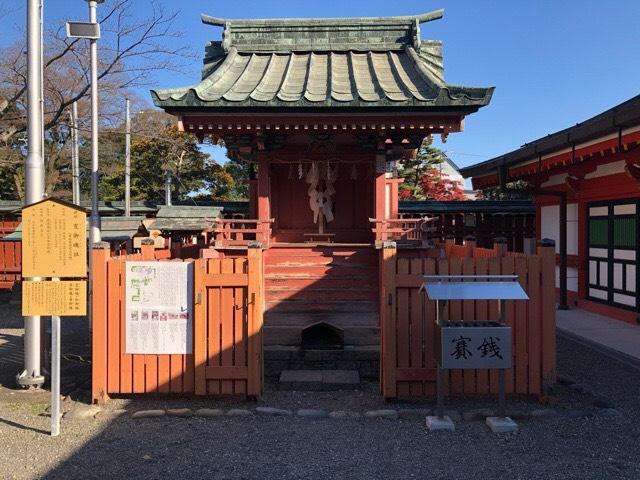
(54, 298)
(159, 307)
(476, 347)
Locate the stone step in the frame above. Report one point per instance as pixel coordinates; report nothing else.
(319, 380)
(301, 306)
(321, 271)
(328, 295)
(292, 335)
(273, 282)
(276, 252)
(306, 319)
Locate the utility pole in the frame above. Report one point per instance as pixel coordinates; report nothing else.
(75, 154)
(34, 179)
(94, 218)
(127, 163)
(167, 186)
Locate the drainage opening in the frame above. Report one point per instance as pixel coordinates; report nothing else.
(322, 336)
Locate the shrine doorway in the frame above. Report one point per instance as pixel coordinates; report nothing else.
(346, 191)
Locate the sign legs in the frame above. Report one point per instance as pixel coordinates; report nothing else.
(55, 376)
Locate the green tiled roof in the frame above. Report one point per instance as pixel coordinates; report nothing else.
(347, 62)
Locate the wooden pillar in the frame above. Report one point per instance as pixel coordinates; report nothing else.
(148, 249)
(500, 246)
(253, 198)
(583, 247)
(470, 243)
(547, 252)
(388, 360)
(263, 194)
(100, 256)
(379, 193)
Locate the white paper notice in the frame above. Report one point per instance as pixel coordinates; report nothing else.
(159, 307)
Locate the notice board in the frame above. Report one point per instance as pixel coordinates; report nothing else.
(159, 307)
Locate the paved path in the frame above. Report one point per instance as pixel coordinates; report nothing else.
(612, 337)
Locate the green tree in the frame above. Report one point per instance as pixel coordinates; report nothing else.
(413, 171)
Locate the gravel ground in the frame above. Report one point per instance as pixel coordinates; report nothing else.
(589, 446)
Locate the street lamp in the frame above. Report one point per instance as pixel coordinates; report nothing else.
(91, 31)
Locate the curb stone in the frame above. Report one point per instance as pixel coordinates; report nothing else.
(111, 413)
(83, 412)
(274, 412)
(311, 413)
(387, 414)
(454, 415)
(209, 412)
(239, 412)
(478, 414)
(148, 414)
(544, 412)
(180, 412)
(342, 414)
(414, 413)
(609, 412)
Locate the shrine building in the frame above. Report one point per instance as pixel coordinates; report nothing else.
(321, 109)
(586, 183)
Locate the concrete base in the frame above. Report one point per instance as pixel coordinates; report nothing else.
(501, 424)
(319, 380)
(437, 423)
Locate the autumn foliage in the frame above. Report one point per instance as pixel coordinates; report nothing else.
(437, 186)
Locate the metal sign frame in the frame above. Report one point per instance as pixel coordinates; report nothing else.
(87, 30)
(488, 287)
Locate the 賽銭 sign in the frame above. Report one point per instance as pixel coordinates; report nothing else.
(476, 347)
(54, 241)
(66, 298)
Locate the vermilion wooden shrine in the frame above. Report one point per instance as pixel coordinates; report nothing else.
(322, 109)
(317, 278)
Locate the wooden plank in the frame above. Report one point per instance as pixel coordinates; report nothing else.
(227, 280)
(443, 266)
(534, 327)
(508, 268)
(127, 373)
(416, 375)
(227, 373)
(239, 328)
(164, 373)
(213, 327)
(227, 307)
(520, 333)
(99, 332)
(408, 281)
(200, 320)
(114, 383)
(455, 312)
(150, 373)
(187, 361)
(482, 313)
(255, 301)
(495, 268)
(548, 310)
(402, 328)
(468, 313)
(388, 307)
(416, 327)
(429, 329)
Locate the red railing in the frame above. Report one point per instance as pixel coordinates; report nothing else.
(229, 232)
(416, 229)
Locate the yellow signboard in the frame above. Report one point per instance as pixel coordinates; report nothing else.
(54, 240)
(54, 298)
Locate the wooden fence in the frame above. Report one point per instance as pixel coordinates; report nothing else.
(408, 361)
(10, 263)
(227, 331)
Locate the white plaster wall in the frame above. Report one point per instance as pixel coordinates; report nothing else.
(572, 278)
(550, 226)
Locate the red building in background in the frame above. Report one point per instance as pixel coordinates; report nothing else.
(593, 167)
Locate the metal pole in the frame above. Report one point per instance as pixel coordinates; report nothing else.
(34, 181)
(127, 163)
(502, 384)
(75, 154)
(94, 218)
(167, 187)
(55, 373)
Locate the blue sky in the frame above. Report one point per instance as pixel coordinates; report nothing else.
(553, 63)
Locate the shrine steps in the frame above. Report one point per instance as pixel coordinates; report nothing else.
(307, 286)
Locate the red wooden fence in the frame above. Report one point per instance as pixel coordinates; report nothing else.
(408, 364)
(10, 263)
(227, 339)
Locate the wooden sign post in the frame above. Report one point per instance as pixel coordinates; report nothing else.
(54, 246)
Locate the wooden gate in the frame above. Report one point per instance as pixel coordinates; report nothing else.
(228, 325)
(408, 364)
(227, 336)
